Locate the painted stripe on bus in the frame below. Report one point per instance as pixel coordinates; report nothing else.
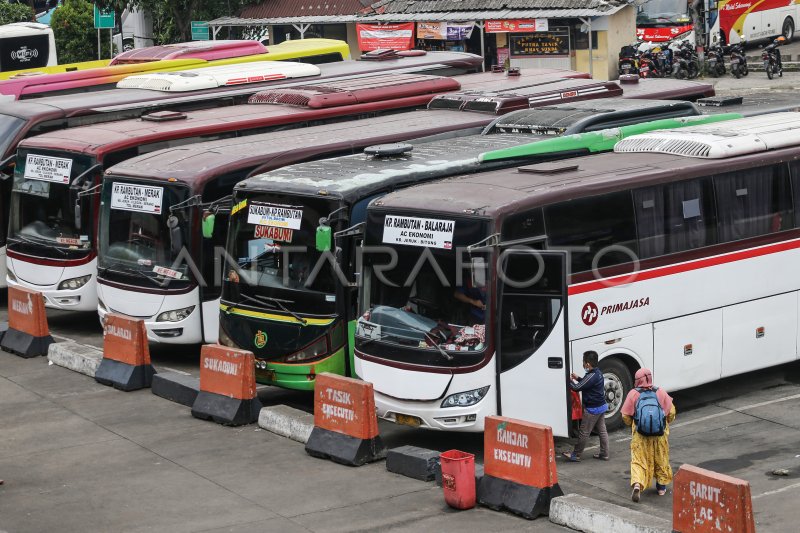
(274, 317)
(590, 286)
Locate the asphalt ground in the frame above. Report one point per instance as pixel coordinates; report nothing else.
(78, 456)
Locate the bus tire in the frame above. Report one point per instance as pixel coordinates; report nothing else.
(618, 383)
(788, 29)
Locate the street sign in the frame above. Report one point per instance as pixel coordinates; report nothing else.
(200, 30)
(103, 18)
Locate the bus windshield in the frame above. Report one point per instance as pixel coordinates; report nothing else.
(272, 239)
(141, 245)
(655, 12)
(9, 127)
(428, 308)
(42, 218)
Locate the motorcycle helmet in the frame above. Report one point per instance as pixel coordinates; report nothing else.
(780, 40)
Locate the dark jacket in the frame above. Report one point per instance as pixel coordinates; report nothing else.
(593, 388)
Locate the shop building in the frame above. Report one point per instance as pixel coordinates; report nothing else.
(582, 35)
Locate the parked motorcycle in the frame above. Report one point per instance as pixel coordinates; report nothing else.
(715, 61)
(738, 60)
(685, 63)
(772, 58)
(628, 60)
(651, 61)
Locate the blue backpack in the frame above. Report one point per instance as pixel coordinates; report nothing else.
(650, 418)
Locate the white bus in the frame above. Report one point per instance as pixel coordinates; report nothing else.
(25, 45)
(679, 252)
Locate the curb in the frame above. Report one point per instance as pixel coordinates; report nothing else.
(593, 516)
(287, 422)
(77, 357)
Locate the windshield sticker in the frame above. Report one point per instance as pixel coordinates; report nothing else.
(276, 234)
(412, 231)
(368, 330)
(69, 241)
(167, 272)
(44, 168)
(140, 198)
(238, 207)
(144, 262)
(279, 216)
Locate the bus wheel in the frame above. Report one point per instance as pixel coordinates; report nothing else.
(788, 29)
(618, 383)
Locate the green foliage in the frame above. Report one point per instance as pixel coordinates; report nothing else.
(73, 28)
(14, 12)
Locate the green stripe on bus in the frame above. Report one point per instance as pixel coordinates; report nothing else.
(600, 141)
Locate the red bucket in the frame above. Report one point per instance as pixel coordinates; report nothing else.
(458, 478)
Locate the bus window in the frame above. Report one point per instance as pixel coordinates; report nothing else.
(674, 217)
(794, 167)
(752, 202)
(528, 310)
(599, 230)
(523, 226)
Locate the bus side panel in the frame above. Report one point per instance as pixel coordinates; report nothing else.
(636, 342)
(211, 321)
(687, 351)
(759, 334)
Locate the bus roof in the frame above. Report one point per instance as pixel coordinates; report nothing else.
(714, 141)
(501, 192)
(71, 104)
(101, 138)
(214, 77)
(19, 29)
(357, 175)
(666, 89)
(191, 50)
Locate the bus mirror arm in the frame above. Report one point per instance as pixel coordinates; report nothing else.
(5, 165)
(175, 235)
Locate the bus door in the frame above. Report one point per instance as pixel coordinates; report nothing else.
(532, 337)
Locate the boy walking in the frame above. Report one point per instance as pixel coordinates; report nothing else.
(592, 387)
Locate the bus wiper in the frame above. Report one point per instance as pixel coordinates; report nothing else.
(279, 303)
(37, 242)
(128, 270)
(431, 339)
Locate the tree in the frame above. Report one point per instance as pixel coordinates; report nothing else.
(172, 19)
(73, 29)
(14, 12)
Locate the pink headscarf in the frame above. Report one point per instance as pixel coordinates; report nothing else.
(644, 380)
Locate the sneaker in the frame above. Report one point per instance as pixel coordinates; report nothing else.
(662, 489)
(637, 490)
(602, 457)
(571, 457)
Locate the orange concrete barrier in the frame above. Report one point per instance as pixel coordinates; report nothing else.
(519, 467)
(703, 501)
(345, 423)
(126, 354)
(227, 386)
(28, 334)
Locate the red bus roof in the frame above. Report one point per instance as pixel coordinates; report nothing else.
(99, 139)
(207, 50)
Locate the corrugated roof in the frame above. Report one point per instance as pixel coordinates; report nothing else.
(271, 9)
(424, 16)
(443, 6)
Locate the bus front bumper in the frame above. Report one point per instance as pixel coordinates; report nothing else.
(300, 376)
(431, 415)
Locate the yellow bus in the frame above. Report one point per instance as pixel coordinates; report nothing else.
(183, 56)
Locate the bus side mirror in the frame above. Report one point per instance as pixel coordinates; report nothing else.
(324, 238)
(478, 272)
(208, 224)
(78, 218)
(175, 235)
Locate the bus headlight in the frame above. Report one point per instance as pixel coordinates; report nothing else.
(74, 283)
(176, 315)
(312, 351)
(463, 399)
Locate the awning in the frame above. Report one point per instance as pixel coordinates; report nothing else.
(425, 17)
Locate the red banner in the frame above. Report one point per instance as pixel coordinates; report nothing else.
(383, 36)
(661, 34)
(516, 26)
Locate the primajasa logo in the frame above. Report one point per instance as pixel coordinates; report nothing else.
(590, 312)
(23, 308)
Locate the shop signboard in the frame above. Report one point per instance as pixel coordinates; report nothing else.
(385, 36)
(546, 43)
(445, 31)
(517, 26)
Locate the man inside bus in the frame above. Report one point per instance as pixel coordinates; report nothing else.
(475, 298)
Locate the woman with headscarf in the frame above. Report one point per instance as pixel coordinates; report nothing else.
(649, 455)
